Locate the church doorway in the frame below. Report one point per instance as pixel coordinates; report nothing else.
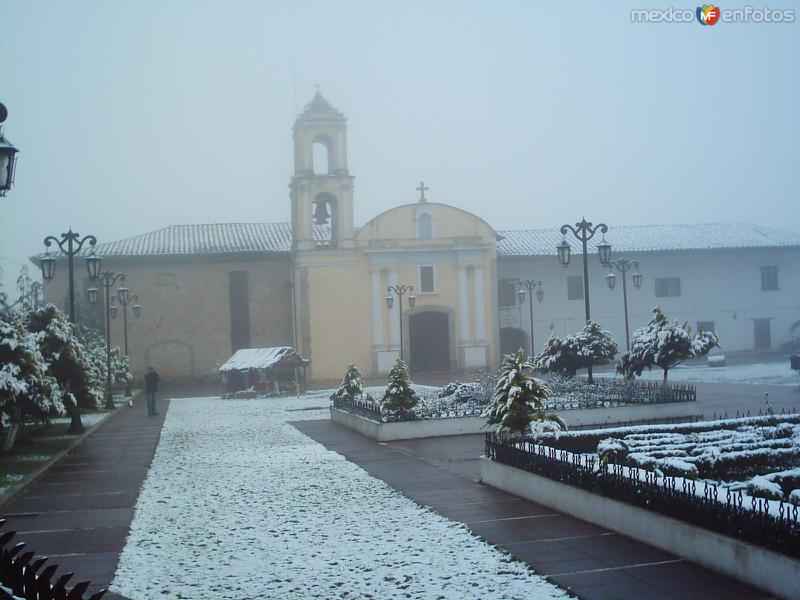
(429, 341)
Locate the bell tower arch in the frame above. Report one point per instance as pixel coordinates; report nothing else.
(321, 189)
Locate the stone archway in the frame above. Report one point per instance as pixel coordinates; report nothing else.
(429, 341)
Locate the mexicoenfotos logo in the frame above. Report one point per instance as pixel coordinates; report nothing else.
(708, 14)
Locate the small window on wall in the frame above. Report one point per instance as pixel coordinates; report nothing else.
(424, 226)
(667, 287)
(705, 326)
(574, 287)
(506, 294)
(769, 279)
(426, 283)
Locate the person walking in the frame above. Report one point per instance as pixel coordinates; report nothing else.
(151, 380)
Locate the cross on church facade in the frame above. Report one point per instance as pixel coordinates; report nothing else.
(422, 189)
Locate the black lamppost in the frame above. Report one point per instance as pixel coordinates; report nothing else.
(400, 291)
(8, 157)
(530, 285)
(584, 231)
(124, 299)
(107, 279)
(624, 265)
(70, 244)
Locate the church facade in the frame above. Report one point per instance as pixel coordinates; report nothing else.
(322, 285)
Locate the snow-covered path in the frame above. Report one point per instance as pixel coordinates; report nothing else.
(239, 504)
(774, 373)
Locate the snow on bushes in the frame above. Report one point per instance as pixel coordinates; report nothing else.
(400, 398)
(518, 398)
(352, 386)
(591, 346)
(664, 344)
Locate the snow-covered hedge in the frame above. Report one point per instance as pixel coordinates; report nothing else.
(593, 345)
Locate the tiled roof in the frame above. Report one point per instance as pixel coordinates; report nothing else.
(652, 238)
(275, 238)
(207, 239)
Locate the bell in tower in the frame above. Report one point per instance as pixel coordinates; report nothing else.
(322, 187)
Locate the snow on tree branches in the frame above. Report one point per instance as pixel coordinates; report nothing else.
(399, 399)
(664, 344)
(518, 398)
(352, 386)
(591, 346)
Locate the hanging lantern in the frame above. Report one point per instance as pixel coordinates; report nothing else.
(113, 311)
(93, 266)
(540, 294)
(8, 157)
(122, 294)
(563, 250)
(637, 280)
(412, 300)
(92, 292)
(48, 266)
(389, 301)
(137, 310)
(520, 295)
(604, 252)
(611, 280)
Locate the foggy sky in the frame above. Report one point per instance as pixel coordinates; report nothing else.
(133, 116)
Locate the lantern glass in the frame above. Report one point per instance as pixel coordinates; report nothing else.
(7, 160)
(564, 250)
(520, 295)
(137, 310)
(389, 302)
(540, 294)
(604, 252)
(92, 292)
(48, 266)
(113, 311)
(93, 266)
(122, 294)
(412, 300)
(611, 280)
(637, 280)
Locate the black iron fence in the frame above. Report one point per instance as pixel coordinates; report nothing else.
(363, 408)
(769, 523)
(570, 394)
(25, 577)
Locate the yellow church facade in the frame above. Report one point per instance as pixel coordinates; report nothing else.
(445, 257)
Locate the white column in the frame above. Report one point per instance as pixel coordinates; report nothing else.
(394, 314)
(480, 308)
(463, 306)
(377, 309)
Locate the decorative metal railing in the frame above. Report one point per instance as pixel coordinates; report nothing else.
(363, 408)
(717, 509)
(23, 577)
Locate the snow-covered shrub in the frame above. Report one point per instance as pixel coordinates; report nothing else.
(591, 346)
(94, 344)
(400, 398)
(352, 386)
(664, 344)
(612, 449)
(518, 398)
(460, 392)
(25, 386)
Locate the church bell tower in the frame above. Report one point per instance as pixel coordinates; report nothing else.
(321, 188)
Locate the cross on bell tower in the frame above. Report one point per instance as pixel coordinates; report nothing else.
(422, 189)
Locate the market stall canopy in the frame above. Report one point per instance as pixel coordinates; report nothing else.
(248, 359)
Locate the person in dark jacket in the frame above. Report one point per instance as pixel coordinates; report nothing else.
(150, 387)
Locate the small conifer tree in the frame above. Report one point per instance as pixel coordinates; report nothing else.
(352, 386)
(399, 399)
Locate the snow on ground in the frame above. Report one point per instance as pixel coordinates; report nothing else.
(775, 373)
(239, 504)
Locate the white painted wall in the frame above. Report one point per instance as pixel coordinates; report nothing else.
(723, 286)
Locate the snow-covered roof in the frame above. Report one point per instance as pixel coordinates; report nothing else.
(652, 238)
(207, 239)
(276, 238)
(263, 358)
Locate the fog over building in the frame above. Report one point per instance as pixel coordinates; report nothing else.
(319, 283)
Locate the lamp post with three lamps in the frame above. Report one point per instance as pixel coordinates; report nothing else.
(70, 244)
(583, 232)
(623, 265)
(107, 279)
(400, 291)
(530, 285)
(123, 298)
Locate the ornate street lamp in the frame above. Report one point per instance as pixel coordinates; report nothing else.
(8, 157)
(531, 285)
(583, 232)
(107, 280)
(124, 298)
(623, 265)
(400, 291)
(70, 244)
